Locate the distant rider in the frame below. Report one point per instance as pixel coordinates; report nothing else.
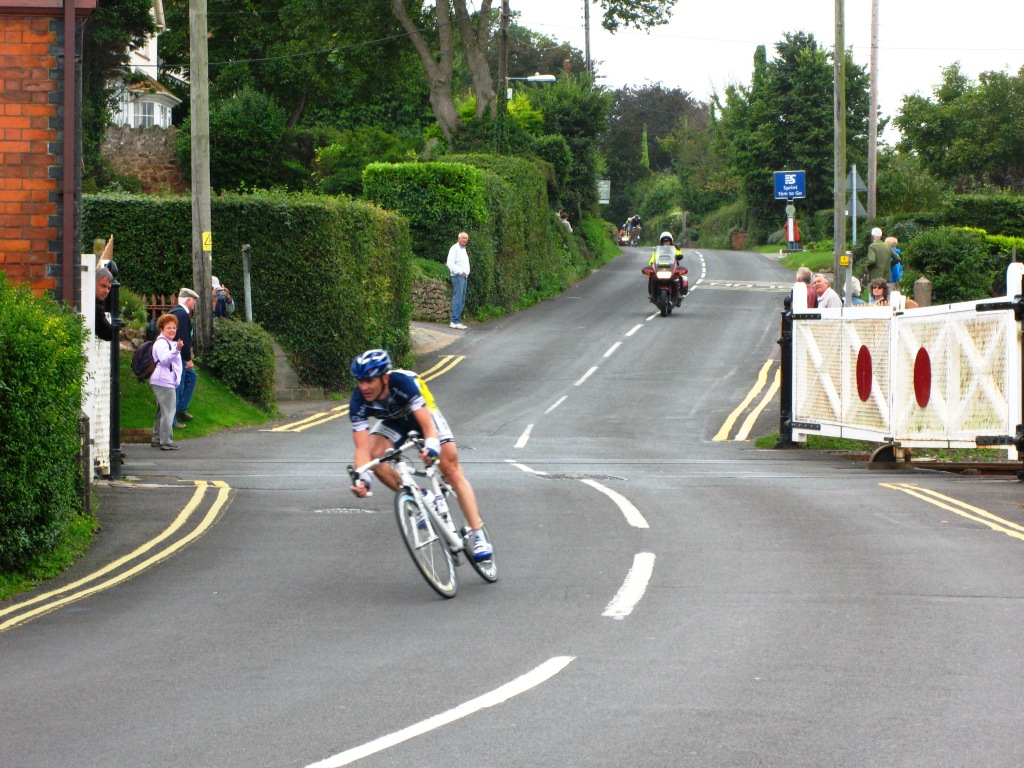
(402, 402)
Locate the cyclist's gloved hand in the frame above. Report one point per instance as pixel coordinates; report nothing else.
(432, 448)
(364, 484)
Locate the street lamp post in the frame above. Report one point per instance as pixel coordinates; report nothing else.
(538, 78)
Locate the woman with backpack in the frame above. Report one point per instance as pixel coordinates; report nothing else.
(164, 380)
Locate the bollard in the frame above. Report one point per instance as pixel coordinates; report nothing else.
(116, 323)
(923, 292)
(246, 281)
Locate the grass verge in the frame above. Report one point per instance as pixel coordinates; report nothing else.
(845, 445)
(214, 406)
(70, 546)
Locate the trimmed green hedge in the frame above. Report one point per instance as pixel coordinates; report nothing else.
(501, 201)
(330, 276)
(440, 200)
(242, 356)
(1000, 214)
(41, 373)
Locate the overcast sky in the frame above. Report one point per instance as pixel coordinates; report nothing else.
(709, 45)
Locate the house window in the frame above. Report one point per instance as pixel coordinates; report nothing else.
(143, 114)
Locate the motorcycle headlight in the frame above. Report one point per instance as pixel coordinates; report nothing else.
(664, 274)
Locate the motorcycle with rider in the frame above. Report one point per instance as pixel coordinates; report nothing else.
(667, 280)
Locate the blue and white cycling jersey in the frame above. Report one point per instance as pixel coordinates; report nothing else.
(407, 392)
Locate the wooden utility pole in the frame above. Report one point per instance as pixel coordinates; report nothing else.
(202, 231)
(502, 95)
(839, 141)
(873, 115)
(586, 30)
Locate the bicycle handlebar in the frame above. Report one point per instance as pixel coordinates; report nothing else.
(390, 455)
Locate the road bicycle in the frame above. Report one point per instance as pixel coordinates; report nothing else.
(427, 525)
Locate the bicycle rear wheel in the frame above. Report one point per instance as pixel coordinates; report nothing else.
(487, 569)
(427, 549)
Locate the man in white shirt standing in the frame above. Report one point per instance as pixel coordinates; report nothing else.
(458, 265)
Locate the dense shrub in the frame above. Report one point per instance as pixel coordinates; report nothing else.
(600, 237)
(246, 131)
(339, 166)
(957, 261)
(997, 214)
(661, 195)
(41, 372)
(242, 356)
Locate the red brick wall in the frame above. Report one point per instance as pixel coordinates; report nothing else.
(30, 173)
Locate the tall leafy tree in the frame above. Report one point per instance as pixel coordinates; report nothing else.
(783, 121)
(658, 108)
(969, 134)
(323, 61)
(437, 47)
(574, 109)
(531, 53)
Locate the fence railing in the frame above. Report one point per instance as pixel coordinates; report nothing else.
(940, 376)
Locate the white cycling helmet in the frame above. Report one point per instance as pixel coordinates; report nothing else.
(664, 236)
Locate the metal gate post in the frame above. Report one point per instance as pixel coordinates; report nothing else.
(786, 376)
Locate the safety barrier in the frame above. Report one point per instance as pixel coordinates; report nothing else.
(942, 376)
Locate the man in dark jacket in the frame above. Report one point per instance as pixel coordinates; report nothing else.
(187, 299)
(104, 279)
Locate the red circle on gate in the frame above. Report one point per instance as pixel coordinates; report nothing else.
(922, 377)
(864, 373)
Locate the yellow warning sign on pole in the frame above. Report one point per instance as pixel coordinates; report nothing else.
(207, 242)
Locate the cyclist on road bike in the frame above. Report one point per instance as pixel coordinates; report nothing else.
(402, 402)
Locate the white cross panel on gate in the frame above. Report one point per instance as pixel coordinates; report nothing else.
(943, 376)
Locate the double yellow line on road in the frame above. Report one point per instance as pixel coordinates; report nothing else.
(748, 423)
(445, 364)
(24, 611)
(961, 508)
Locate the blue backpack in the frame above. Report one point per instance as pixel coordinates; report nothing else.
(895, 269)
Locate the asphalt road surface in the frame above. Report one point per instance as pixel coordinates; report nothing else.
(669, 595)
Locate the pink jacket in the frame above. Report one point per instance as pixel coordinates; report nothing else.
(168, 363)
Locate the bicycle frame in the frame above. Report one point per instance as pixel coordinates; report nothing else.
(432, 538)
(435, 483)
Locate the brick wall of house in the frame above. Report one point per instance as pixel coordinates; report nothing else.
(30, 152)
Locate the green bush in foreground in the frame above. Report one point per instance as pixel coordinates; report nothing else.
(41, 372)
(242, 356)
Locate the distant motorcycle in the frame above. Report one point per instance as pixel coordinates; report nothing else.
(667, 280)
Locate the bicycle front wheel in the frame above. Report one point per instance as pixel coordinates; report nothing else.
(427, 549)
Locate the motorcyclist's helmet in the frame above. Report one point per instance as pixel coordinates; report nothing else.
(371, 364)
(665, 239)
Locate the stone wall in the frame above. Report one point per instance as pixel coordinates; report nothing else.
(431, 300)
(147, 154)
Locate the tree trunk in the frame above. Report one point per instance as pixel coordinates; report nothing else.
(439, 71)
(475, 33)
(297, 112)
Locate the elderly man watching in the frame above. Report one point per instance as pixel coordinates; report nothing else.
(827, 298)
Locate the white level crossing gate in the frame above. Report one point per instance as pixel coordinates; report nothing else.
(941, 376)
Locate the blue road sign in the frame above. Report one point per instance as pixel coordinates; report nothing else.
(789, 185)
